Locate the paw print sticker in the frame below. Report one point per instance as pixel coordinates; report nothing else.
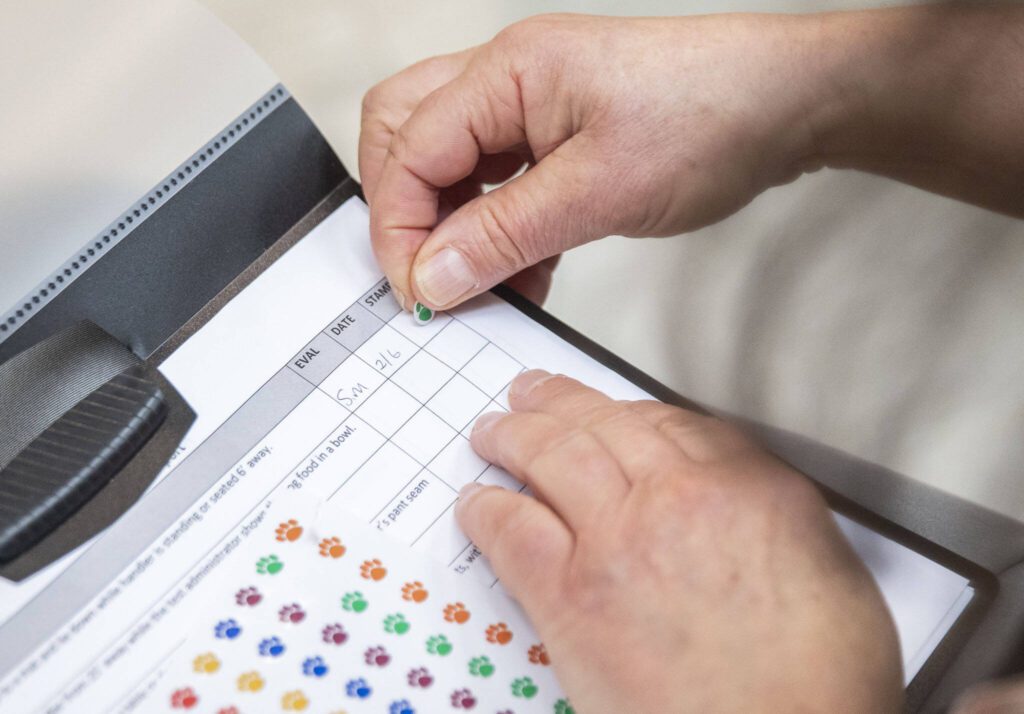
(538, 654)
(463, 699)
(376, 657)
(456, 612)
(291, 613)
(294, 701)
(524, 688)
(358, 688)
(314, 667)
(331, 548)
(288, 531)
(396, 624)
(354, 602)
(184, 698)
(414, 591)
(334, 634)
(481, 667)
(499, 634)
(227, 630)
(248, 597)
(562, 706)
(228, 710)
(373, 569)
(439, 645)
(419, 677)
(206, 663)
(269, 565)
(250, 682)
(270, 647)
(402, 706)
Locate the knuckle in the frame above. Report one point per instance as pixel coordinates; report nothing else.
(507, 236)
(373, 100)
(518, 535)
(557, 444)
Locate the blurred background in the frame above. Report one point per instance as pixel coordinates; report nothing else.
(872, 316)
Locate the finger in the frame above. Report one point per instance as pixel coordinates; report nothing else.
(568, 468)
(703, 438)
(439, 144)
(639, 449)
(550, 208)
(528, 545)
(534, 283)
(388, 104)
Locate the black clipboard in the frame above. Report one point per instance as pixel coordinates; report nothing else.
(183, 256)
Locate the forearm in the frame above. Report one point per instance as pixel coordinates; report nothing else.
(932, 96)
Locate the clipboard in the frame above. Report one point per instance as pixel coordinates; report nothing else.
(161, 270)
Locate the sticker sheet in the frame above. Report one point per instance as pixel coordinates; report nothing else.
(320, 613)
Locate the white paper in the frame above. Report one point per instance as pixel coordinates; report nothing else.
(395, 414)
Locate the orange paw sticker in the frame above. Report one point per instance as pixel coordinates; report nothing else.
(250, 682)
(288, 530)
(414, 591)
(499, 634)
(538, 654)
(373, 569)
(206, 663)
(456, 612)
(294, 701)
(331, 548)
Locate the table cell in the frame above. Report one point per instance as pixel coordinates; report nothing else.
(423, 436)
(456, 344)
(422, 376)
(387, 350)
(377, 482)
(419, 505)
(318, 359)
(418, 332)
(380, 300)
(353, 327)
(458, 402)
(388, 408)
(352, 383)
(491, 369)
(457, 463)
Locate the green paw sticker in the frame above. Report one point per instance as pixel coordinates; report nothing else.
(562, 706)
(354, 602)
(524, 687)
(422, 314)
(481, 667)
(439, 645)
(269, 565)
(396, 624)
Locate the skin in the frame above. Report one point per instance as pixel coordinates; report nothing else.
(669, 563)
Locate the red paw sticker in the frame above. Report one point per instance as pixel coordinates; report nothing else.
(538, 654)
(184, 698)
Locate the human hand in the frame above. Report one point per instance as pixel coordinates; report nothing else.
(671, 565)
(629, 126)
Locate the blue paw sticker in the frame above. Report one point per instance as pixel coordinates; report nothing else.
(271, 647)
(402, 706)
(227, 630)
(358, 688)
(314, 667)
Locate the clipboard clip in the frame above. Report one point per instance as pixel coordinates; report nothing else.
(85, 427)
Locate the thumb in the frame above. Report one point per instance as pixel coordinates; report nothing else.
(552, 207)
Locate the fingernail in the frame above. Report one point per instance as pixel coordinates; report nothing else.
(525, 382)
(445, 278)
(466, 493)
(486, 421)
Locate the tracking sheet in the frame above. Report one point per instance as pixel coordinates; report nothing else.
(311, 381)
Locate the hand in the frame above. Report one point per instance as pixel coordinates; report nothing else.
(629, 126)
(670, 565)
